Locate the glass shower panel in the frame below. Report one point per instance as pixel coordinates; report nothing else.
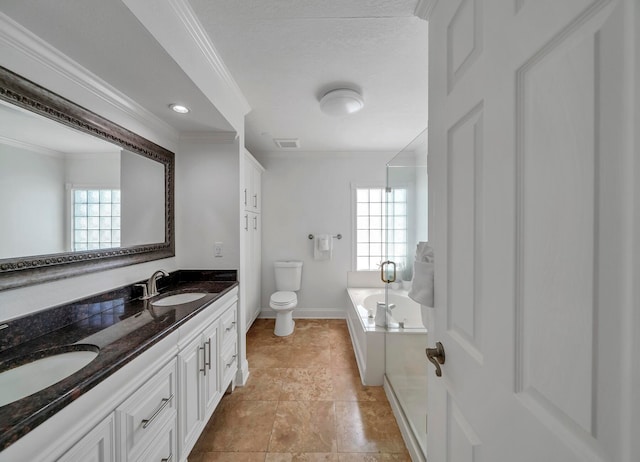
(406, 337)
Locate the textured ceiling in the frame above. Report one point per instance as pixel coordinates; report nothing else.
(286, 54)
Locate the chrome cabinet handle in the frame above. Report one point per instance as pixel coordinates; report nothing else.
(204, 360)
(230, 326)
(245, 196)
(209, 363)
(167, 459)
(437, 357)
(255, 222)
(146, 422)
(382, 271)
(255, 201)
(246, 222)
(231, 362)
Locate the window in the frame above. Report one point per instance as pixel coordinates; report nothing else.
(381, 227)
(96, 219)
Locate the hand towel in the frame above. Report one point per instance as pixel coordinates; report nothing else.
(322, 247)
(423, 268)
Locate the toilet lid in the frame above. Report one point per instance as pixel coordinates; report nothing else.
(283, 298)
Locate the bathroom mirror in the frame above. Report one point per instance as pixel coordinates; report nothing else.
(79, 193)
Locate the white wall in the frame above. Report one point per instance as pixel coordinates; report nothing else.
(142, 196)
(311, 194)
(32, 210)
(207, 197)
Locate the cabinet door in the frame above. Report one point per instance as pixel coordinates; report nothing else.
(256, 188)
(211, 378)
(252, 236)
(96, 446)
(191, 364)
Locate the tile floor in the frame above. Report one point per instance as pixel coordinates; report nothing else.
(303, 402)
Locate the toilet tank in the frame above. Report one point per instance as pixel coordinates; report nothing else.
(288, 275)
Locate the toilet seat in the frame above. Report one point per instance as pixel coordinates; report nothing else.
(283, 298)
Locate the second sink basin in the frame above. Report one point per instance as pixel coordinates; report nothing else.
(179, 299)
(42, 369)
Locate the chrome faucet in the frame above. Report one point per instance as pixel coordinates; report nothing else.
(151, 283)
(150, 289)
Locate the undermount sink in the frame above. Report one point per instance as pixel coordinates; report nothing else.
(179, 299)
(42, 369)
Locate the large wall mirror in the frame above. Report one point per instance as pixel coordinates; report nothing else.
(78, 193)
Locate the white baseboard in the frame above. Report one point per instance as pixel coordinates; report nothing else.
(407, 434)
(308, 313)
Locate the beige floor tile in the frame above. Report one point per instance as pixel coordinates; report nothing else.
(233, 421)
(268, 356)
(263, 385)
(347, 386)
(311, 384)
(304, 426)
(301, 457)
(367, 427)
(307, 356)
(373, 457)
(228, 457)
(303, 402)
(343, 358)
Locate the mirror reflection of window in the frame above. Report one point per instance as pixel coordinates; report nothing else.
(96, 219)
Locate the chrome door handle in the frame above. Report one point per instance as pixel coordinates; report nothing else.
(437, 357)
(255, 222)
(245, 196)
(382, 270)
(255, 201)
(246, 222)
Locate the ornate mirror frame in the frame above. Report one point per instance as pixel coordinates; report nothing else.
(24, 271)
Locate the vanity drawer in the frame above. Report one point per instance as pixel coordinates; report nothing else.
(229, 325)
(228, 363)
(141, 417)
(164, 447)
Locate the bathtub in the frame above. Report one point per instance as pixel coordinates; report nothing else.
(407, 318)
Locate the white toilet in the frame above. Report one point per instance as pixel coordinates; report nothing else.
(288, 277)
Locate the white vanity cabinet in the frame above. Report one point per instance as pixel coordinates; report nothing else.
(152, 409)
(141, 418)
(98, 445)
(202, 371)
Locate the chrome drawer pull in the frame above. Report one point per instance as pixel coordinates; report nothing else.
(230, 326)
(149, 421)
(204, 360)
(168, 459)
(209, 363)
(232, 358)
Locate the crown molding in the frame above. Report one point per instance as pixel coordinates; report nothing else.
(424, 8)
(188, 17)
(175, 26)
(29, 45)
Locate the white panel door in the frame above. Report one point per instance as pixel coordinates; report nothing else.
(530, 149)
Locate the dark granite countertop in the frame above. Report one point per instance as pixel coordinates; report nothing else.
(118, 322)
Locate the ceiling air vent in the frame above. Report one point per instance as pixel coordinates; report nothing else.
(291, 143)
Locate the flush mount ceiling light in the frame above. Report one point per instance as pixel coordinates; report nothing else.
(180, 109)
(341, 101)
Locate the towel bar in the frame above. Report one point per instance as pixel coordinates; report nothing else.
(337, 236)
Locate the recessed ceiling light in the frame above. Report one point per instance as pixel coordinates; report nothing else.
(179, 108)
(341, 101)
